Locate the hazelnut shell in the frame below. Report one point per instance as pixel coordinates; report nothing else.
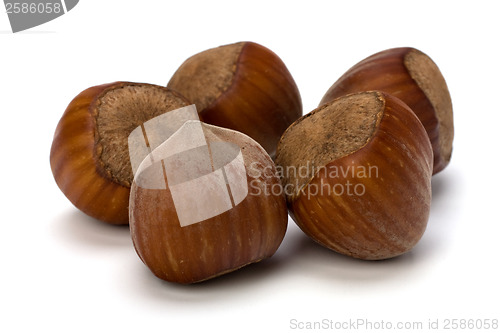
(89, 155)
(243, 86)
(374, 142)
(413, 77)
(250, 231)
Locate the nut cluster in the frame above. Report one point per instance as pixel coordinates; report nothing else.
(354, 174)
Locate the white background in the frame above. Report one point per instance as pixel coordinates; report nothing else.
(65, 272)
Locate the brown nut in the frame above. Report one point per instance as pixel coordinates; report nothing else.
(413, 77)
(357, 175)
(208, 209)
(89, 156)
(242, 86)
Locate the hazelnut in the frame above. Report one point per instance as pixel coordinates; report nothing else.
(357, 175)
(245, 87)
(413, 77)
(205, 202)
(89, 157)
